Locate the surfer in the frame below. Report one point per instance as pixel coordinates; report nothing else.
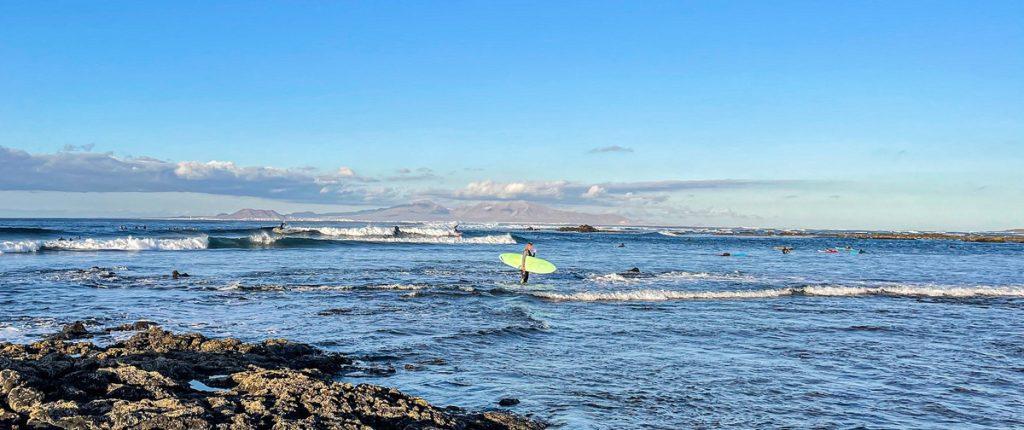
(396, 231)
(529, 251)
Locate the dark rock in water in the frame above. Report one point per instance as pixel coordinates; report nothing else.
(508, 401)
(161, 380)
(583, 228)
(334, 311)
(135, 326)
(631, 273)
(75, 330)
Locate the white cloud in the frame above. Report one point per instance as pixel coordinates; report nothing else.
(76, 171)
(566, 192)
(511, 190)
(594, 191)
(87, 172)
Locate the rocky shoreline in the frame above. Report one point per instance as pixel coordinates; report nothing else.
(161, 380)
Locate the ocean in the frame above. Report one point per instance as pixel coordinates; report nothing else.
(907, 333)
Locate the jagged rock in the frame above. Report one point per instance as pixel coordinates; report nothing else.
(75, 330)
(146, 382)
(135, 326)
(9, 379)
(22, 399)
(508, 401)
(583, 228)
(7, 418)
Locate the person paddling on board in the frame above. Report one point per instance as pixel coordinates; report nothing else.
(529, 251)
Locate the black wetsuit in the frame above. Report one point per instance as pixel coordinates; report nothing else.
(524, 273)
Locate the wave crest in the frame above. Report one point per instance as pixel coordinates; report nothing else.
(816, 291)
(637, 278)
(19, 246)
(129, 243)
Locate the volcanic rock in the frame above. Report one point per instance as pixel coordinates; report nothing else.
(161, 380)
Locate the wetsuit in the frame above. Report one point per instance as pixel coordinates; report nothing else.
(523, 272)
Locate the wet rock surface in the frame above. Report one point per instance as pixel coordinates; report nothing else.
(583, 228)
(508, 401)
(160, 380)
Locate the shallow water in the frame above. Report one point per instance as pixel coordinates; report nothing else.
(908, 334)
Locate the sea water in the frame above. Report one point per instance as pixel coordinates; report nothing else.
(923, 334)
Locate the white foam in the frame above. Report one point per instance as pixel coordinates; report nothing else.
(373, 231)
(262, 238)
(817, 291)
(430, 231)
(660, 295)
(502, 239)
(617, 278)
(353, 231)
(19, 246)
(397, 287)
(129, 244)
(897, 290)
(418, 234)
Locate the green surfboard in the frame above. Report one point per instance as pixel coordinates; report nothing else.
(533, 264)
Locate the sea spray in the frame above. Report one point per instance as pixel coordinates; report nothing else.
(129, 243)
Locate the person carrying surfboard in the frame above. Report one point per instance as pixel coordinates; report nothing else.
(529, 251)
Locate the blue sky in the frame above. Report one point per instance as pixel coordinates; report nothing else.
(790, 114)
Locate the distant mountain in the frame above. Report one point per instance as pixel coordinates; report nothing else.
(416, 211)
(520, 211)
(517, 211)
(252, 215)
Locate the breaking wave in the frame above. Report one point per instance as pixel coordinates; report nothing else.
(816, 291)
(129, 243)
(372, 231)
(260, 239)
(502, 239)
(117, 244)
(18, 246)
(675, 276)
(315, 288)
(403, 234)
